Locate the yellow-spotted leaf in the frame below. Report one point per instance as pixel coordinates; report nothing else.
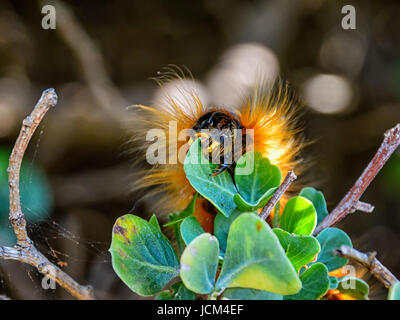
(142, 256)
(255, 259)
(249, 294)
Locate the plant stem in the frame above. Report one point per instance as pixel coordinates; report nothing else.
(350, 202)
(290, 177)
(24, 250)
(369, 261)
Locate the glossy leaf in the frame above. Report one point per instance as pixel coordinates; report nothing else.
(154, 222)
(299, 249)
(255, 259)
(190, 229)
(256, 187)
(315, 283)
(244, 206)
(142, 256)
(318, 200)
(178, 292)
(249, 294)
(221, 227)
(219, 189)
(354, 287)
(331, 239)
(299, 216)
(199, 264)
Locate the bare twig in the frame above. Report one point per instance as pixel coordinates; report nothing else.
(290, 177)
(369, 261)
(364, 207)
(35, 258)
(24, 250)
(350, 202)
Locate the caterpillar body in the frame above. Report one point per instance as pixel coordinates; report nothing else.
(271, 111)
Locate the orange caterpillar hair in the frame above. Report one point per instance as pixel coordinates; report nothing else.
(271, 111)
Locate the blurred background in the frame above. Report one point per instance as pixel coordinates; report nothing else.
(78, 175)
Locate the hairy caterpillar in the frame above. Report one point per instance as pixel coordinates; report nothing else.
(270, 110)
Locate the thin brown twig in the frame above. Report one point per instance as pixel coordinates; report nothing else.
(369, 261)
(350, 202)
(290, 177)
(24, 250)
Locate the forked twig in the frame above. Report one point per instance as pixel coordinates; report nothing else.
(290, 177)
(369, 261)
(351, 201)
(24, 250)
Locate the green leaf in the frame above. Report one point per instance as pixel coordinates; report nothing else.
(255, 259)
(331, 239)
(142, 256)
(221, 227)
(190, 229)
(256, 187)
(178, 292)
(299, 216)
(199, 264)
(333, 282)
(245, 206)
(394, 292)
(154, 222)
(178, 217)
(315, 283)
(318, 200)
(354, 287)
(299, 249)
(179, 241)
(219, 190)
(249, 294)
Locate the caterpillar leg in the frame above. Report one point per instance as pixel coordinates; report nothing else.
(222, 167)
